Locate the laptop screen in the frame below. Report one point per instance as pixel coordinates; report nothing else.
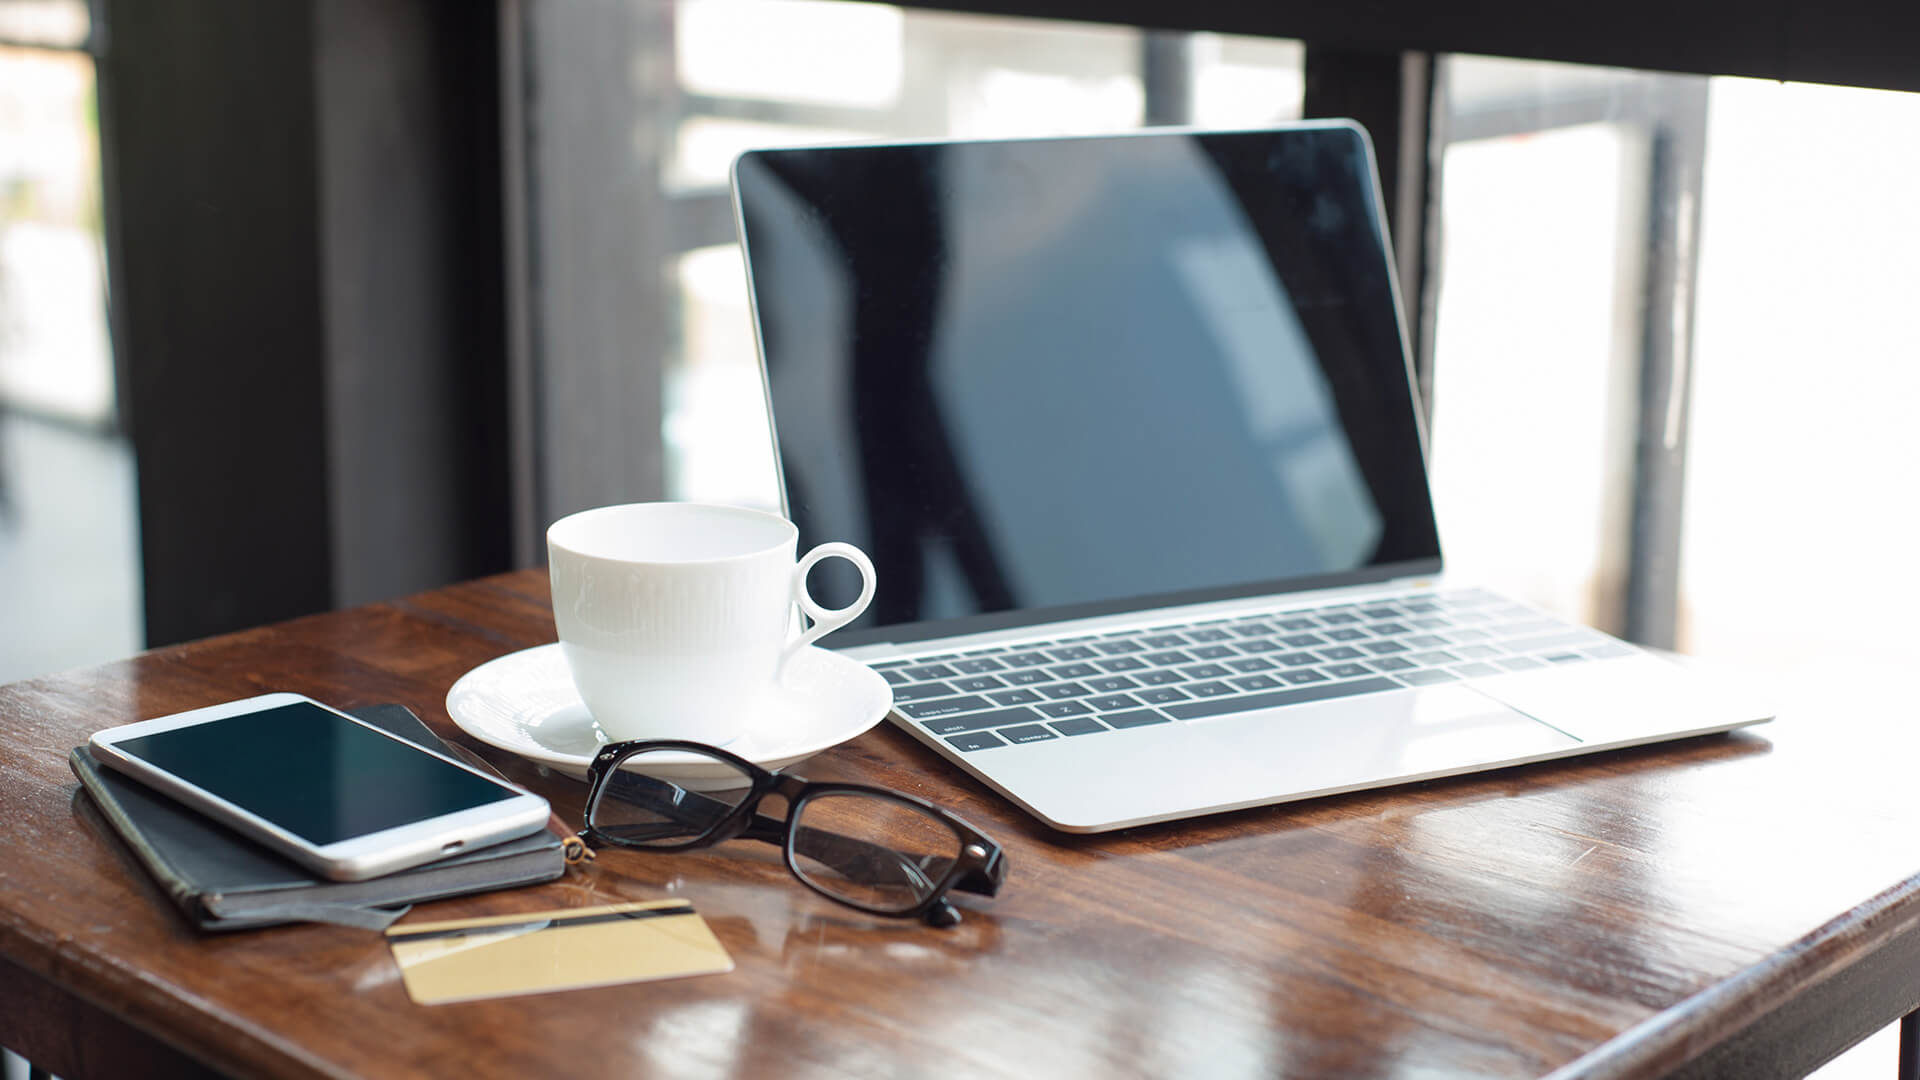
(1052, 377)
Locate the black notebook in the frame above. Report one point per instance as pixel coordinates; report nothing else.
(224, 881)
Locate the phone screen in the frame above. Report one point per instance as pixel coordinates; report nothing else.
(315, 773)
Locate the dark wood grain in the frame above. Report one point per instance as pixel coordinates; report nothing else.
(1631, 913)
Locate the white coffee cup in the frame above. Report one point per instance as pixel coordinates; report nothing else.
(676, 619)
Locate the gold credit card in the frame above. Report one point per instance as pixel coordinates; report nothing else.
(469, 959)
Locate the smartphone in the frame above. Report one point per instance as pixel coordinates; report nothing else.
(334, 794)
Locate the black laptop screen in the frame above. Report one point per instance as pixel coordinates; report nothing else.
(1077, 375)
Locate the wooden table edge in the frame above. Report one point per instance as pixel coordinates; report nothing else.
(1787, 1014)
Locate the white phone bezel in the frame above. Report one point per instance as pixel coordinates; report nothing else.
(353, 859)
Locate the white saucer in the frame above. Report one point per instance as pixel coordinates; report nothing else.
(525, 703)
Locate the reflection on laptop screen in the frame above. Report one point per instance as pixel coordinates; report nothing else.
(1081, 374)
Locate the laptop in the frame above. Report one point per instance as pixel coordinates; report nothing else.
(1128, 426)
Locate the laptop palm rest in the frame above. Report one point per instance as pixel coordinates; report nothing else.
(1162, 772)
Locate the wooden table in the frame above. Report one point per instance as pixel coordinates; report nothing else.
(1745, 904)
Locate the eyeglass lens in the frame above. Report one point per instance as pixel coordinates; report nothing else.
(640, 806)
(860, 847)
(871, 850)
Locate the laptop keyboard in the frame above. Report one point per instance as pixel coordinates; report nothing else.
(1066, 687)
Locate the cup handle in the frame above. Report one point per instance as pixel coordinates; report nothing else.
(827, 620)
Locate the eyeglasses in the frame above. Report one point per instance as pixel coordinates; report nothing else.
(880, 851)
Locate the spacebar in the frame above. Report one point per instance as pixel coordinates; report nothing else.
(1194, 710)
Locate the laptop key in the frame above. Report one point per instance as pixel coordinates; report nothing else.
(976, 740)
(1063, 691)
(1250, 664)
(1115, 648)
(1344, 633)
(922, 691)
(1108, 702)
(1078, 725)
(1391, 663)
(1072, 652)
(1014, 697)
(1214, 652)
(1302, 676)
(1026, 659)
(1298, 659)
(1382, 648)
(1166, 658)
(1260, 645)
(927, 710)
(1303, 641)
(1027, 733)
(1161, 677)
(1028, 676)
(1385, 628)
(1123, 663)
(1426, 677)
(931, 671)
(1074, 671)
(1256, 682)
(1204, 671)
(1160, 695)
(948, 725)
(1195, 710)
(1349, 671)
(1342, 652)
(1136, 718)
(976, 667)
(1112, 684)
(1209, 635)
(895, 676)
(1208, 689)
(1163, 641)
(974, 684)
(1339, 618)
(1299, 622)
(1058, 709)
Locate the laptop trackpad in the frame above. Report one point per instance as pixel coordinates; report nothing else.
(1625, 700)
(1353, 742)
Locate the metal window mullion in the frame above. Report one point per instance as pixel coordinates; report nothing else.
(1676, 162)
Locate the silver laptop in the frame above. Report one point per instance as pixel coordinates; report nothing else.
(1127, 425)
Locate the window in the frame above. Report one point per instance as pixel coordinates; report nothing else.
(1566, 200)
(1756, 240)
(69, 548)
(1800, 511)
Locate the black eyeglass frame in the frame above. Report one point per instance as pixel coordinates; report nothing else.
(979, 868)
